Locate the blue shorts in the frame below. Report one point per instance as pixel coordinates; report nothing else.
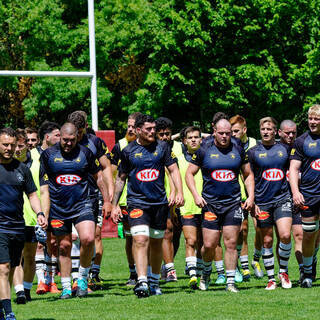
(194, 220)
(309, 211)
(215, 216)
(11, 246)
(272, 212)
(153, 216)
(30, 235)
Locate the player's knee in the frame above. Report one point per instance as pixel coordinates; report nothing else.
(191, 242)
(310, 226)
(267, 242)
(87, 240)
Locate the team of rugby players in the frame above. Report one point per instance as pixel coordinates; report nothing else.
(204, 186)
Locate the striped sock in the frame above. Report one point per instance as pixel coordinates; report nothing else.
(284, 255)
(268, 260)
(230, 276)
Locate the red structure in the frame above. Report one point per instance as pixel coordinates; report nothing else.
(109, 229)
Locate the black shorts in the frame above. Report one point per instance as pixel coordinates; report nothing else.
(95, 207)
(215, 217)
(272, 212)
(194, 220)
(309, 211)
(30, 235)
(62, 227)
(153, 216)
(11, 246)
(296, 216)
(125, 216)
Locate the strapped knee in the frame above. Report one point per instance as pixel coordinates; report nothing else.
(310, 226)
(141, 230)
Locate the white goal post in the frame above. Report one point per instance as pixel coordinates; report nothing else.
(90, 74)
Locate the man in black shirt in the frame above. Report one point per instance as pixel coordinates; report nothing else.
(15, 178)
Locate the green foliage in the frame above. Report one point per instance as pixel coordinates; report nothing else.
(183, 59)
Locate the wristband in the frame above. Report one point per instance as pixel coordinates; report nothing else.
(40, 214)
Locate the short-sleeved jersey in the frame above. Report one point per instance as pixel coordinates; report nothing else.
(145, 167)
(269, 165)
(220, 169)
(97, 146)
(68, 177)
(210, 140)
(15, 179)
(307, 150)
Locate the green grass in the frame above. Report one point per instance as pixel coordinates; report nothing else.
(116, 301)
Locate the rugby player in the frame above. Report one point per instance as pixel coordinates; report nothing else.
(64, 185)
(100, 151)
(172, 234)
(47, 262)
(115, 161)
(239, 130)
(23, 275)
(143, 162)
(288, 134)
(269, 162)
(305, 158)
(191, 214)
(220, 162)
(32, 137)
(15, 178)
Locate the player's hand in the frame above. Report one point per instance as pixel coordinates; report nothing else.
(116, 214)
(248, 204)
(172, 199)
(255, 211)
(179, 201)
(199, 201)
(106, 209)
(42, 222)
(298, 199)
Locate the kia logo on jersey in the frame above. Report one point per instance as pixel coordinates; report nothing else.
(223, 175)
(273, 175)
(148, 175)
(315, 165)
(68, 179)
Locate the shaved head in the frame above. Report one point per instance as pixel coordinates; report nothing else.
(223, 123)
(287, 123)
(68, 128)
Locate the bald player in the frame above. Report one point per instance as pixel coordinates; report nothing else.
(220, 162)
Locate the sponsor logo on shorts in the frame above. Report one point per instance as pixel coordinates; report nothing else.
(238, 214)
(124, 212)
(210, 216)
(136, 213)
(315, 165)
(56, 224)
(286, 207)
(189, 216)
(147, 175)
(287, 175)
(273, 175)
(263, 215)
(68, 179)
(223, 175)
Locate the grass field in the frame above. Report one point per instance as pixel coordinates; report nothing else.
(116, 301)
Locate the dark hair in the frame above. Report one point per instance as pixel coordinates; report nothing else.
(8, 131)
(21, 134)
(30, 130)
(163, 123)
(134, 115)
(182, 132)
(191, 129)
(142, 119)
(46, 128)
(78, 119)
(90, 131)
(218, 116)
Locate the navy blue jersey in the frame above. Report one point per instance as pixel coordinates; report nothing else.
(15, 179)
(68, 177)
(145, 167)
(220, 168)
(210, 139)
(97, 146)
(269, 165)
(307, 150)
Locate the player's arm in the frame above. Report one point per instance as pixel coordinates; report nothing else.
(190, 173)
(172, 189)
(249, 183)
(107, 175)
(106, 208)
(36, 207)
(116, 214)
(294, 170)
(176, 178)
